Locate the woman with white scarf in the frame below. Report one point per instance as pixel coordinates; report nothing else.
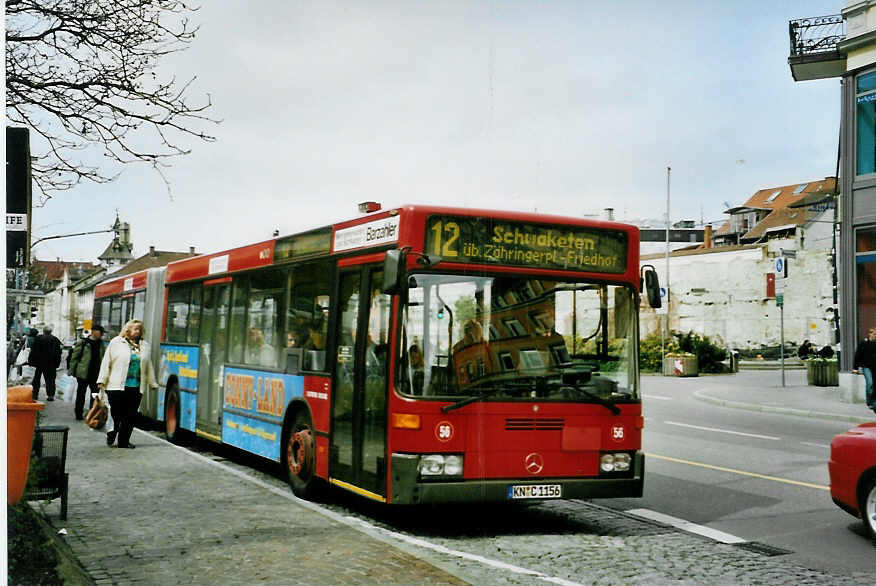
(125, 367)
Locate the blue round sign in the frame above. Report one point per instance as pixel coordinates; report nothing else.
(662, 291)
(780, 265)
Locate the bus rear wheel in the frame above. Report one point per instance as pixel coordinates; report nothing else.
(172, 429)
(299, 455)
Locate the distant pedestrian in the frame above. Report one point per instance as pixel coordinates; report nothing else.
(825, 352)
(85, 360)
(125, 365)
(805, 350)
(865, 360)
(45, 357)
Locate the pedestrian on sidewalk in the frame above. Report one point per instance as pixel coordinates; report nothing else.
(125, 365)
(45, 357)
(865, 359)
(805, 350)
(85, 361)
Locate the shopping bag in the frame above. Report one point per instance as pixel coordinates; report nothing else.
(22, 357)
(67, 386)
(96, 417)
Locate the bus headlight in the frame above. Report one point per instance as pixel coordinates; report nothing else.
(617, 462)
(440, 465)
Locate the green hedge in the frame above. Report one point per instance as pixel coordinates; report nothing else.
(709, 354)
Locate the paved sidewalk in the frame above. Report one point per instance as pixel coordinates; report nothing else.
(162, 515)
(762, 391)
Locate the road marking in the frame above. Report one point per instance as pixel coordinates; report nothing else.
(742, 472)
(717, 430)
(658, 397)
(384, 535)
(686, 526)
(815, 445)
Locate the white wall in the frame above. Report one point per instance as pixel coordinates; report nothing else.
(723, 294)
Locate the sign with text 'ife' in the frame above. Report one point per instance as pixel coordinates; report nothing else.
(18, 194)
(488, 241)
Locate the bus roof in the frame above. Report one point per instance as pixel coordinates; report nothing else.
(401, 226)
(123, 284)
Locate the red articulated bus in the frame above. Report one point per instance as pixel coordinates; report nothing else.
(417, 355)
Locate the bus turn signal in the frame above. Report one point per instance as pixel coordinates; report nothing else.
(406, 420)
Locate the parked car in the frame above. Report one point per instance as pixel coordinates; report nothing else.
(852, 469)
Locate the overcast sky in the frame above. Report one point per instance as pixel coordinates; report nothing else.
(563, 107)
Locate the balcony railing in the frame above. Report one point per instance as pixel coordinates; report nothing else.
(821, 34)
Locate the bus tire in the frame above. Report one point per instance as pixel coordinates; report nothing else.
(299, 454)
(172, 411)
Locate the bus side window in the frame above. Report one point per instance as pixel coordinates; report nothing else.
(177, 313)
(115, 317)
(139, 305)
(263, 318)
(307, 312)
(237, 325)
(194, 318)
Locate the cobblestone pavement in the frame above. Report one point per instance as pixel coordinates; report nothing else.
(165, 515)
(158, 515)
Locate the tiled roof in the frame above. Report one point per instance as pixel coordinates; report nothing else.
(776, 218)
(157, 258)
(55, 268)
(775, 198)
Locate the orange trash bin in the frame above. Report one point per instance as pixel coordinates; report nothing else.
(21, 412)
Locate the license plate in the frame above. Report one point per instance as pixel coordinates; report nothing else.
(535, 491)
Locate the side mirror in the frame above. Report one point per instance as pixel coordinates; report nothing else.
(393, 269)
(652, 288)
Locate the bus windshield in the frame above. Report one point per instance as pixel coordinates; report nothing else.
(518, 338)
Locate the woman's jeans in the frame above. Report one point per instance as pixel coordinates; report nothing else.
(868, 377)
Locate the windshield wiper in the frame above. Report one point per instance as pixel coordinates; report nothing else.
(604, 402)
(485, 392)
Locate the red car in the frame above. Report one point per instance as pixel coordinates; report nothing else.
(853, 473)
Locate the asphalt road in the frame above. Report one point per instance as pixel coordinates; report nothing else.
(758, 476)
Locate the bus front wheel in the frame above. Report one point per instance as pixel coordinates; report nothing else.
(299, 455)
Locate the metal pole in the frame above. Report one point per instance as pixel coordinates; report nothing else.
(782, 337)
(668, 289)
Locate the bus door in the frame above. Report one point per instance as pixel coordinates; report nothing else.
(359, 406)
(213, 336)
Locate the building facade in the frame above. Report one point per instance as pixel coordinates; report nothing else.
(844, 46)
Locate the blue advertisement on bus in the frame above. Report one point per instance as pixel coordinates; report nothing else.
(254, 402)
(181, 361)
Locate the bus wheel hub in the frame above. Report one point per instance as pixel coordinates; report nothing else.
(300, 451)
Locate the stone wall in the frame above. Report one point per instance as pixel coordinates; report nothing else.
(723, 293)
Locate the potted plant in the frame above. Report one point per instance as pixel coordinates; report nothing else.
(21, 411)
(680, 364)
(822, 372)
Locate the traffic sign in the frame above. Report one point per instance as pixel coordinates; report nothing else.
(781, 268)
(780, 300)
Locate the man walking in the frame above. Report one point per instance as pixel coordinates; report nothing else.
(865, 360)
(45, 357)
(85, 365)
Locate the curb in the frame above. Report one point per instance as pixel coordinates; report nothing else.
(702, 396)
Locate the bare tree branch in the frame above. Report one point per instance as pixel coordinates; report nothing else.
(81, 74)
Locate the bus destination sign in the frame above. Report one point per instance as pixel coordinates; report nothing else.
(487, 241)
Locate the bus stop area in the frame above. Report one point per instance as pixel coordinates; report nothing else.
(161, 514)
